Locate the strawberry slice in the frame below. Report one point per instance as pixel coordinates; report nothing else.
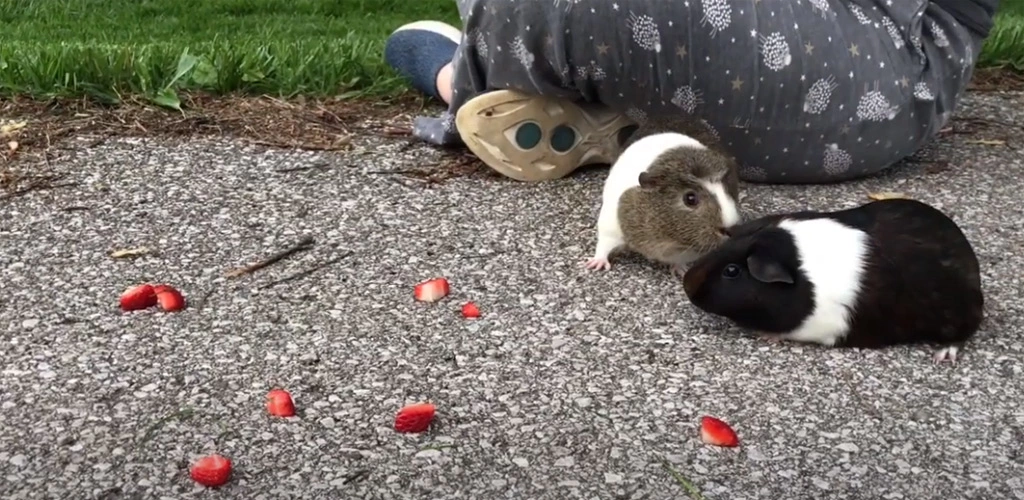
(470, 310)
(718, 433)
(279, 403)
(138, 297)
(169, 298)
(414, 418)
(431, 290)
(211, 471)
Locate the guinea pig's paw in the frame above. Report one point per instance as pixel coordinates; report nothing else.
(946, 353)
(596, 263)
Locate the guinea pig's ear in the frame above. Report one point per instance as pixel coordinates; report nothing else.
(648, 180)
(767, 270)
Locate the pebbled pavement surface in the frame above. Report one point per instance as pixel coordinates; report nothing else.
(573, 384)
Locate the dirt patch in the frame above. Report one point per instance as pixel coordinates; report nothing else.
(325, 125)
(996, 80)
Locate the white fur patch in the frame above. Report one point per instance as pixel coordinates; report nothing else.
(637, 158)
(833, 259)
(730, 213)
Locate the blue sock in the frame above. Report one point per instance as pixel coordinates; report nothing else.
(418, 51)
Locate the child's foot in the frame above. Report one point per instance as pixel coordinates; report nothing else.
(533, 138)
(419, 50)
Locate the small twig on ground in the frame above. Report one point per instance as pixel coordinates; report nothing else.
(46, 152)
(307, 272)
(304, 244)
(317, 166)
(988, 121)
(36, 186)
(340, 145)
(181, 414)
(412, 172)
(685, 483)
(206, 296)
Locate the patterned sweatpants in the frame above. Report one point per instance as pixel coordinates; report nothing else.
(800, 91)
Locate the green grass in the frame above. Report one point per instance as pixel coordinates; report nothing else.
(112, 49)
(1005, 45)
(109, 49)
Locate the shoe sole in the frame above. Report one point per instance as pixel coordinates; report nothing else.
(446, 30)
(487, 124)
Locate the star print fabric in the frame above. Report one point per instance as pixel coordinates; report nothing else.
(803, 91)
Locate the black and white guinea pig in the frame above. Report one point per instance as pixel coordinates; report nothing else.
(888, 272)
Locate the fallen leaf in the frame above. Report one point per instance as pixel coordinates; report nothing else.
(129, 252)
(987, 142)
(9, 128)
(886, 195)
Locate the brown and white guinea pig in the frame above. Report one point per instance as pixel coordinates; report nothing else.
(888, 272)
(669, 197)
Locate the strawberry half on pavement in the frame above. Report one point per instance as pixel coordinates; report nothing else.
(169, 298)
(211, 471)
(718, 433)
(470, 310)
(138, 297)
(414, 418)
(280, 404)
(431, 290)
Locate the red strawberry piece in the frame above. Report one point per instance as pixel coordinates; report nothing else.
(716, 432)
(170, 299)
(279, 403)
(431, 290)
(211, 471)
(414, 418)
(138, 297)
(470, 310)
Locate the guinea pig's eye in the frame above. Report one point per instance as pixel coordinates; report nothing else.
(690, 198)
(731, 271)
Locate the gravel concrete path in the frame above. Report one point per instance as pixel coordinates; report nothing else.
(572, 384)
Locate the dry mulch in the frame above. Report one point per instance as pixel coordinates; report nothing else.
(996, 80)
(324, 125)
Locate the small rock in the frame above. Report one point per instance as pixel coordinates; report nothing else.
(849, 447)
(498, 483)
(18, 460)
(820, 483)
(755, 454)
(327, 422)
(612, 478)
(569, 484)
(583, 402)
(520, 461)
(565, 462)
(30, 323)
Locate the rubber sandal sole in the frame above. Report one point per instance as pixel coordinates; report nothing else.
(566, 135)
(446, 30)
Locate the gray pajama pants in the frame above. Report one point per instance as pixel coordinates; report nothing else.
(800, 91)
